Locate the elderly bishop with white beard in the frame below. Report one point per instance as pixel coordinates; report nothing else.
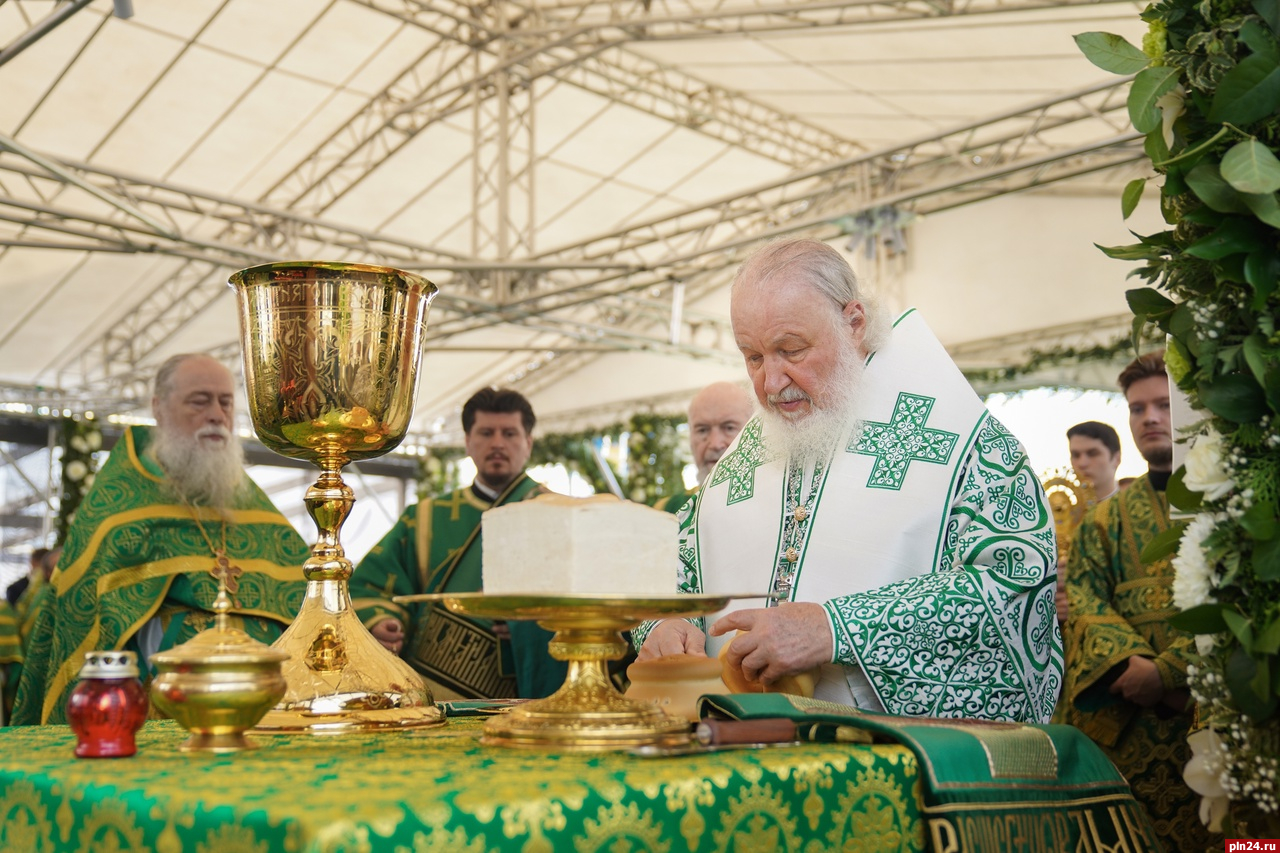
(899, 527)
(171, 510)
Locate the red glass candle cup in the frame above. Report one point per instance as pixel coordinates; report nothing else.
(108, 705)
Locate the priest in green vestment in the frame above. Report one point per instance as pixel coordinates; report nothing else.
(900, 531)
(169, 506)
(10, 658)
(717, 414)
(1126, 682)
(436, 546)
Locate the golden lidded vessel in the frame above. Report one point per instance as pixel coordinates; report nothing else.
(218, 684)
(331, 353)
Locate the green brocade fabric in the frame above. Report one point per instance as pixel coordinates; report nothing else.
(132, 550)
(10, 640)
(441, 790)
(986, 785)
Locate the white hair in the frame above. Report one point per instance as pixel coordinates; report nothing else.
(824, 269)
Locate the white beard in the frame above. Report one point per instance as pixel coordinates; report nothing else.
(197, 473)
(815, 435)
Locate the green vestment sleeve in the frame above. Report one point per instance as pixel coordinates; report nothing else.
(389, 569)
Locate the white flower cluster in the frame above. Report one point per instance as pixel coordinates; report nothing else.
(1194, 579)
(1207, 471)
(1240, 760)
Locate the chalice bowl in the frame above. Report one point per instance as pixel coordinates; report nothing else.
(331, 355)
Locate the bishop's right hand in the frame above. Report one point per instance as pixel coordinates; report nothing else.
(390, 633)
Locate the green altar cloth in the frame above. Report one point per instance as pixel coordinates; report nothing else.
(986, 785)
(441, 790)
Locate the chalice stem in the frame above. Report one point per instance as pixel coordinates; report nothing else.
(329, 502)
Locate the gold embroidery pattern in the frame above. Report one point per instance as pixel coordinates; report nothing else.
(445, 792)
(23, 818)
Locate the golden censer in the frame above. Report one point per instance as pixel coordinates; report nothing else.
(331, 357)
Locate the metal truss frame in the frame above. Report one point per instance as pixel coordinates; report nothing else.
(613, 291)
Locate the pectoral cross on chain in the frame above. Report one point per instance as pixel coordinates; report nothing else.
(227, 573)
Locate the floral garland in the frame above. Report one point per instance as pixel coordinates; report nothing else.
(1207, 97)
(81, 439)
(1038, 359)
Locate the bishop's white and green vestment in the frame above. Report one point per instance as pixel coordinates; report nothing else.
(926, 537)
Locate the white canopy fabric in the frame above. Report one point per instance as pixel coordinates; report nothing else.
(579, 177)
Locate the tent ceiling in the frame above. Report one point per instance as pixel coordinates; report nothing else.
(570, 173)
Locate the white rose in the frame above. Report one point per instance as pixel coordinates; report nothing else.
(95, 440)
(1205, 471)
(1203, 774)
(1194, 578)
(76, 470)
(88, 481)
(78, 444)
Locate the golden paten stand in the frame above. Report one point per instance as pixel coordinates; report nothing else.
(331, 355)
(587, 713)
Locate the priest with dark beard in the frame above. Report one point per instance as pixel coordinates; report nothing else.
(898, 529)
(171, 509)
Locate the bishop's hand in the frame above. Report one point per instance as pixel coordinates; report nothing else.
(777, 641)
(672, 637)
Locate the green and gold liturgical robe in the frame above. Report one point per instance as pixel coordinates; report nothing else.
(436, 546)
(1119, 608)
(926, 536)
(133, 553)
(10, 655)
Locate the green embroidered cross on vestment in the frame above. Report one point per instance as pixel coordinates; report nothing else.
(902, 440)
(739, 467)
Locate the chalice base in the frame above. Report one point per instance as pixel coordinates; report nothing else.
(339, 678)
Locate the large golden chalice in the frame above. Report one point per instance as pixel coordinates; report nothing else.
(331, 357)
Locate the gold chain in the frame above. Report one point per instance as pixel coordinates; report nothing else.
(222, 569)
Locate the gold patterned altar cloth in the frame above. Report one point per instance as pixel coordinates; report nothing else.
(442, 791)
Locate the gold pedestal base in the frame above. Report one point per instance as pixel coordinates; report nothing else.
(340, 679)
(585, 715)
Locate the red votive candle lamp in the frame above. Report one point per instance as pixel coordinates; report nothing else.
(108, 705)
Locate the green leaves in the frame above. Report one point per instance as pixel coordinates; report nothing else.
(1148, 301)
(1250, 685)
(1179, 495)
(1111, 52)
(1201, 619)
(1163, 544)
(1250, 167)
(1148, 87)
(1247, 93)
(1209, 186)
(1131, 196)
(1266, 559)
(1235, 396)
(1235, 236)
